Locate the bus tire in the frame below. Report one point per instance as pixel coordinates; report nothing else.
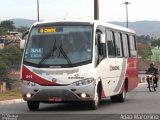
(33, 105)
(93, 105)
(114, 98)
(120, 97)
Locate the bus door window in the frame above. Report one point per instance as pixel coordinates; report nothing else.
(110, 44)
(100, 48)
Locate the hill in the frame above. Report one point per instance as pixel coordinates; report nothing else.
(23, 22)
(151, 28)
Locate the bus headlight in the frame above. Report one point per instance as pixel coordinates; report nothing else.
(83, 82)
(28, 83)
(28, 95)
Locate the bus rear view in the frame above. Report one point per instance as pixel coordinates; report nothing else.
(62, 63)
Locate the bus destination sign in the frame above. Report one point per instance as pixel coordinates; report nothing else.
(47, 30)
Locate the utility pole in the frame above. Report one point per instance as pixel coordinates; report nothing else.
(126, 3)
(96, 9)
(38, 10)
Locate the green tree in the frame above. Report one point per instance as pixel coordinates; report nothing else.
(10, 59)
(2, 29)
(12, 56)
(7, 25)
(3, 71)
(22, 29)
(144, 50)
(155, 43)
(144, 39)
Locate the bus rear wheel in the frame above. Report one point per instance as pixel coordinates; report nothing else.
(120, 97)
(33, 105)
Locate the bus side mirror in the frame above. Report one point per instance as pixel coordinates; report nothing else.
(22, 44)
(102, 38)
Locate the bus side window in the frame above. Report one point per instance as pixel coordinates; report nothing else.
(125, 45)
(118, 43)
(132, 46)
(110, 44)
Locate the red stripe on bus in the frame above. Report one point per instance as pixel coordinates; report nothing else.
(30, 76)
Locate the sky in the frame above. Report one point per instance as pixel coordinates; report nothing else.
(109, 10)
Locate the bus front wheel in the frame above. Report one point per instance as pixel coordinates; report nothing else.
(93, 105)
(33, 105)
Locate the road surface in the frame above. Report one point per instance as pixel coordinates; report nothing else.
(139, 101)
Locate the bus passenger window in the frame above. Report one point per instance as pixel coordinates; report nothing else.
(110, 44)
(132, 46)
(118, 44)
(125, 45)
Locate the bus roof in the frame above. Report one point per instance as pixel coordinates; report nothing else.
(95, 22)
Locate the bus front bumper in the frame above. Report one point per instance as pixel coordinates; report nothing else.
(58, 93)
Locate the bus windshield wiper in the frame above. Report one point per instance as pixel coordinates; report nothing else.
(48, 55)
(52, 51)
(65, 55)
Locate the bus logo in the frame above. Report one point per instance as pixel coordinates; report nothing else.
(114, 68)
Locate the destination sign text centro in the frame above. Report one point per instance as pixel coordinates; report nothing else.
(47, 30)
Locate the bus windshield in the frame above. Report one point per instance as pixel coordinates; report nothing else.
(59, 45)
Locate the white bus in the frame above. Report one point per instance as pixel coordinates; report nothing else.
(84, 61)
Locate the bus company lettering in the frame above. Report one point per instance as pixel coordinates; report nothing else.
(76, 76)
(114, 67)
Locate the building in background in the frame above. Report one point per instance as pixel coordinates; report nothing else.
(10, 38)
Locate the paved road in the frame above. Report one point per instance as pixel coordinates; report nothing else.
(139, 101)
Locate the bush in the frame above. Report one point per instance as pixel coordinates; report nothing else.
(10, 59)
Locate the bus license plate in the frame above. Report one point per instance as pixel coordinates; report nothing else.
(54, 99)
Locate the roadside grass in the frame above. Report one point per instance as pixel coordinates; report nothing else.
(15, 93)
